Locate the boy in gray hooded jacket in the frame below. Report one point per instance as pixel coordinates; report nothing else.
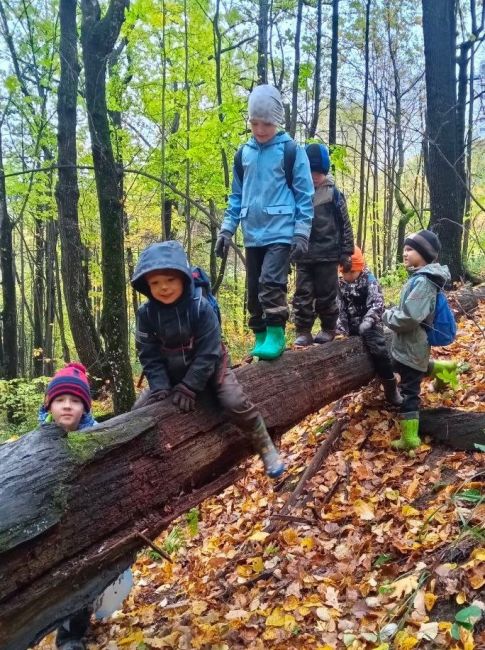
(410, 349)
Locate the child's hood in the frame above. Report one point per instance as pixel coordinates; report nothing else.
(278, 138)
(160, 257)
(438, 274)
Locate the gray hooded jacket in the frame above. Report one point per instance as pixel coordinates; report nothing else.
(416, 306)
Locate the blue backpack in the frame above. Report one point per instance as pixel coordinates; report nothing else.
(442, 330)
(203, 288)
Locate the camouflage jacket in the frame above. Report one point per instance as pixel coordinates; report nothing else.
(358, 300)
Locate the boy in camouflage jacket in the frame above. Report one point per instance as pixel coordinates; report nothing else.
(361, 308)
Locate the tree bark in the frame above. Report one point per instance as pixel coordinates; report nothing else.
(81, 320)
(443, 171)
(98, 37)
(296, 71)
(9, 312)
(77, 517)
(363, 135)
(262, 66)
(332, 118)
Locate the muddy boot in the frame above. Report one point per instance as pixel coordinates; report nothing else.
(274, 343)
(444, 373)
(391, 391)
(303, 338)
(263, 445)
(409, 432)
(258, 344)
(324, 336)
(72, 645)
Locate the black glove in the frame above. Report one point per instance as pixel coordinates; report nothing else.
(223, 243)
(365, 326)
(183, 397)
(299, 246)
(345, 262)
(157, 395)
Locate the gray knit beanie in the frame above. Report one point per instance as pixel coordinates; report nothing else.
(265, 104)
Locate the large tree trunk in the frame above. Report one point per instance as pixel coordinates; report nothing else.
(8, 343)
(363, 134)
(332, 109)
(98, 37)
(81, 320)
(443, 170)
(71, 507)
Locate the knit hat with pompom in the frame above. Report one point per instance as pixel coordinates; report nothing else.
(71, 379)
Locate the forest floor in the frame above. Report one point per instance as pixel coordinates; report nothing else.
(387, 551)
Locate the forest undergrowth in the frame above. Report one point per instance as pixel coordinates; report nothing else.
(385, 551)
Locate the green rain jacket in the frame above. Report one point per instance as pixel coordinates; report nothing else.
(416, 306)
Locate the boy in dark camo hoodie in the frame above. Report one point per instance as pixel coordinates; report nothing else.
(361, 307)
(410, 348)
(178, 338)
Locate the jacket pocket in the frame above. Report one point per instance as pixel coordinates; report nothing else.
(275, 210)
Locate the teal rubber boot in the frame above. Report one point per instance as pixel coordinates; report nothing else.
(263, 445)
(274, 344)
(260, 338)
(409, 433)
(443, 372)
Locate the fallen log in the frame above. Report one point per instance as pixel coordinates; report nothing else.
(454, 427)
(72, 506)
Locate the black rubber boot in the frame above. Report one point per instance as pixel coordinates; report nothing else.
(392, 392)
(324, 336)
(303, 338)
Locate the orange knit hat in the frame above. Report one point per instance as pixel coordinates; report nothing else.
(358, 261)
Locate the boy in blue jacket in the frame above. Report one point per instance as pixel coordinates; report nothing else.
(275, 218)
(179, 344)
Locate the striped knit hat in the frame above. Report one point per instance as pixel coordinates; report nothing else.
(71, 379)
(426, 243)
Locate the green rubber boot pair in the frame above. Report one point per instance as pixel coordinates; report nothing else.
(409, 433)
(443, 372)
(270, 344)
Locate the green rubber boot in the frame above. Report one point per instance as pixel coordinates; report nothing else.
(409, 433)
(260, 338)
(274, 344)
(263, 445)
(443, 372)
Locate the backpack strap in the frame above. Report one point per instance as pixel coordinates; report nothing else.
(194, 312)
(238, 165)
(289, 157)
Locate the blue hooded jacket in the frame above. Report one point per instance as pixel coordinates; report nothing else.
(269, 211)
(176, 342)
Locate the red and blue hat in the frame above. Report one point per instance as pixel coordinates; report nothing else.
(71, 379)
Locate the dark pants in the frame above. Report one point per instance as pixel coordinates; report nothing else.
(410, 386)
(316, 295)
(74, 628)
(375, 343)
(230, 395)
(267, 270)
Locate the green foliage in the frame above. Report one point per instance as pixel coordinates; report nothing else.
(465, 618)
(192, 518)
(20, 400)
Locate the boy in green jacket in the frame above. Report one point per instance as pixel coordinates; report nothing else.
(410, 349)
